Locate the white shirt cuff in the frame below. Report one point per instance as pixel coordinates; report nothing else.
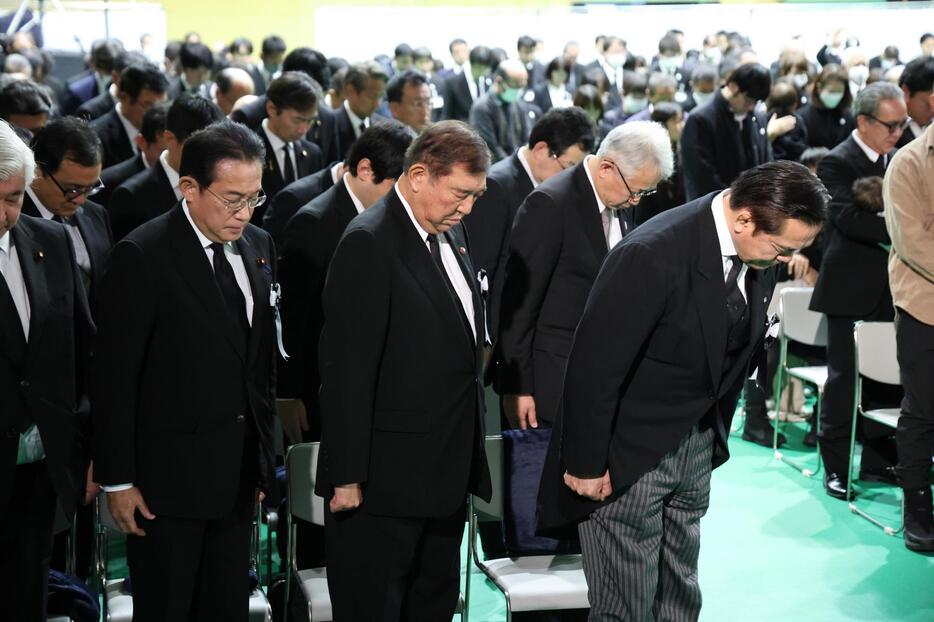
(116, 487)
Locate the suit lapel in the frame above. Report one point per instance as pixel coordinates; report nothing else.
(167, 198)
(272, 174)
(302, 160)
(709, 289)
(589, 213)
(256, 266)
(32, 264)
(97, 245)
(29, 208)
(459, 246)
(192, 264)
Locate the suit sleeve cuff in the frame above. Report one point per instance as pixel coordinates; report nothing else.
(116, 487)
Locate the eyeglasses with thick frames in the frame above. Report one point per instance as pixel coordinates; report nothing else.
(248, 203)
(73, 193)
(633, 195)
(891, 126)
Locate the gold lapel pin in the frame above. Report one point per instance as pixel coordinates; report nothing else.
(39, 255)
(269, 164)
(260, 261)
(304, 153)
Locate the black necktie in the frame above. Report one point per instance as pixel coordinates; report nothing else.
(233, 296)
(435, 248)
(288, 171)
(362, 126)
(735, 303)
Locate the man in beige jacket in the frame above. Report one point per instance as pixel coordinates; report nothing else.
(909, 217)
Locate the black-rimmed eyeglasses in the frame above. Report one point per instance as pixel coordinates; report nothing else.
(633, 195)
(73, 193)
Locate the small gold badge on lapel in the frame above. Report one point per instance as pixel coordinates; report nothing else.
(260, 261)
(38, 255)
(269, 165)
(463, 251)
(304, 153)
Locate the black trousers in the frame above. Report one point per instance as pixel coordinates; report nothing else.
(26, 544)
(390, 569)
(915, 436)
(837, 406)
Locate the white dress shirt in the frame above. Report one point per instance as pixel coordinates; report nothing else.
(336, 172)
(560, 98)
(727, 247)
(871, 153)
(279, 148)
(525, 165)
(81, 250)
(171, 173)
(357, 203)
(355, 121)
(451, 265)
(131, 131)
(615, 233)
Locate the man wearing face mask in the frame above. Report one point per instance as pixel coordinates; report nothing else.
(613, 61)
(662, 88)
(635, 99)
(670, 58)
(501, 117)
(885, 61)
(702, 87)
(917, 81)
(856, 63)
(726, 137)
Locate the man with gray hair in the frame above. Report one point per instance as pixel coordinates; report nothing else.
(853, 284)
(559, 238)
(44, 331)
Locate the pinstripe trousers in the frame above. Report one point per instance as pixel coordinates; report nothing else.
(640, 551)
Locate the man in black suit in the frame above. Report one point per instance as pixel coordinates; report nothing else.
(294, 196)
(526, 46)
(853, 282)
(402, 418)
(151, 144)
(271, 55)
(654, 375)
(102, 103)
(44, 333)
(613, 61)
(916, 81)
(141, 86)
(96, 79)
(25, 105)
(559, 140)
(196, 61)
(559, 238)
(409, 97)
(323, 131)
(183, 385)
(364, 87)
(727, 136)
(462, 89)
(154, 191)
(291, 102)
(69, 157)
(502, 117)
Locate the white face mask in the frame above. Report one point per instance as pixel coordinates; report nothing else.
(713, 55)
(669, 64)
(887, 63)
(616, 60)
(702, 98)
(632, 104)
(831, 99)
(859, 74)
(800, 80)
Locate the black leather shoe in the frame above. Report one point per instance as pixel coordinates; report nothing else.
(883, 475)
(919, 525)
(835, 485)
(761, 435)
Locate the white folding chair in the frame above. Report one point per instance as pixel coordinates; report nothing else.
(799, 324)
(529, 583)
(876, 359)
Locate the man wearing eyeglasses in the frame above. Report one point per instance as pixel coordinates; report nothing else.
(69, 155)
(853, 284)
(183, 384)
(559, 238)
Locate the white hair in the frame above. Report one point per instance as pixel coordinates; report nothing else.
(16, 157)
(637, 145)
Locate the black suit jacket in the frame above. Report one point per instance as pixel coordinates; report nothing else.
(113, 176)
(173, 388)
(114, 139)
(176, 88)
(323, 132)
(78, 90)
(345, 133)
(292, 198)
(457, 98)
(489, 222)
(307, 161)
(94, 225)
(399, 414)
(42, 378)
(826, 128)
(554, 252)
(713, 150)
(489, 117)
(139, 199)
(96, 107)
(305, 254)
(648, 359)
(907, 136)
(854, 279)
(541, 97)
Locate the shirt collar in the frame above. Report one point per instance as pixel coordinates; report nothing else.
(525, 165)
(131, 131)
(586, 164)
(6, 243)
(170, 172)
(727, 247)
(916, 129)
(408, 210)
(112, 89)
(336, 172)
(202, 239)
(870, 153)
(43, 210)
(274, 141)
(355, 121)
(357, 203)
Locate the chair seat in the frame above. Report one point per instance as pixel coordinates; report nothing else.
(120, 604)
(816, 375)
(314, 583)
(541, 582)
(885, 416)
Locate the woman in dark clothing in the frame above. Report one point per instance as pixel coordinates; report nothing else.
(671, 191)
(827, 117)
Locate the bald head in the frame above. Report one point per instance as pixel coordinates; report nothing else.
(511, 79)
(232, 84)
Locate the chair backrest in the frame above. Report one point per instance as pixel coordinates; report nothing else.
(492, 511)
(799, 323)
(876, 354)
(301, 463)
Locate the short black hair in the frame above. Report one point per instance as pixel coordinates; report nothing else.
(754, 80)
(777, 191)
(663, 112)
(556, 63)
(403, 49)
(384, 145)
(397, 85)
(136, 78)
(224, 140)
(359, 74)
(669, 43)
(926, 36)
(455, 41)
(918, 75)
(309, 61)
(421, 53)
(195, 56)
(241, 43)
(103, 53)
(562, 128)
(704, 71)
(525, 41)
(172, 50)
(608, 41)
(635, 82)
(23, 97)
(273, 44)
(190, 113)
(154, 121)
(66, 138)
(812, 156)
(295, 90)
(481, 55)
(127, 58)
